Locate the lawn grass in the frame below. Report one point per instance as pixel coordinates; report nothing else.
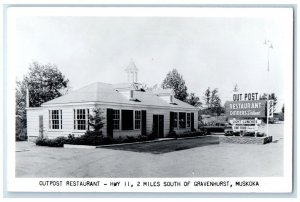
(168, 146)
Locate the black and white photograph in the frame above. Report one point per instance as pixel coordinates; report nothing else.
(203, 94)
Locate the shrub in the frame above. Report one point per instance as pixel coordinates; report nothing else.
(172, 134)
(96, 119)
(41, 141)
(89, 138)
(128, 139)
(21, 135)
(143, 138)
(92, 138)
(191, 134)
(108, 140)
(21, 130)
(57, 142)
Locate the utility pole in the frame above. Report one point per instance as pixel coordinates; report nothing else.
(269, 46)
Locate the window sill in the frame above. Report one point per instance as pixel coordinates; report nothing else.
(119, 130)
(55, 130)
(78, 131)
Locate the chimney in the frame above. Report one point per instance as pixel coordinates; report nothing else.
(131, 94)
(27, 97)
(171, 98)
(165, 94)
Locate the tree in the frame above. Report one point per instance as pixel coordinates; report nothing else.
(44, 82)
(212, 101)
(207, 96)
(215, 100)
(96, 119)
(192, 99)
(175, 81)
(271, 96)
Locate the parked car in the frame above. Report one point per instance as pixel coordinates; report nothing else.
(212, 128)
(229, 132)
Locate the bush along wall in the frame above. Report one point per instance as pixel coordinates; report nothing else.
(57, 142)
(92, 138)
(95, 138)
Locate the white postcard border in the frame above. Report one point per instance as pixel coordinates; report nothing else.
(267, 184)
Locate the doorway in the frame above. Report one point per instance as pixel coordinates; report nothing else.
(158, 125)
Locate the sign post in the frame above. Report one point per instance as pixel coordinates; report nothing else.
(270, 106)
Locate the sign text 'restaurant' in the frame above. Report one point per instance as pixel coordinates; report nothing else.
(245, 109)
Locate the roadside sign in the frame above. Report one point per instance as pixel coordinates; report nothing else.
(245, 128)
(270, 108)
(247, 125)
(245, 122)
(246, 109)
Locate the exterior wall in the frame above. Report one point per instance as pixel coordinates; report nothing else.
(149, 117)
(183, 130)
(164, 112)
(124, 133)
(33, 122)
(68, 120)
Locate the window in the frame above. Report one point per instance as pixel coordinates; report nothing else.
(137, 120)
(175, 121)
(182, 120)
(55, 119)
(81, 119)
(127, 119)
(188, 120)
(116, 119)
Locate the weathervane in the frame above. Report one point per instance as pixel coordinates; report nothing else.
(269, 45)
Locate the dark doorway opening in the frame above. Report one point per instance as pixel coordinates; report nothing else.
(158, 125)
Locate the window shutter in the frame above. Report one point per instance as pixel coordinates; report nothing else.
(192, 121)
(74, 112)
(109, 122)
(88, 119)
(144, 122)
(60, 119)
(171, 121)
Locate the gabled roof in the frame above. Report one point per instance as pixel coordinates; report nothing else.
(107, 93)
(160, 91)
(126, 86)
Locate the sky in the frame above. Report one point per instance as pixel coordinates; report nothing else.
(210, 52)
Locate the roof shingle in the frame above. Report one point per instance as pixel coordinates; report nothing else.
(107, 93)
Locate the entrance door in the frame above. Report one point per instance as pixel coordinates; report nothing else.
(158, 125)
